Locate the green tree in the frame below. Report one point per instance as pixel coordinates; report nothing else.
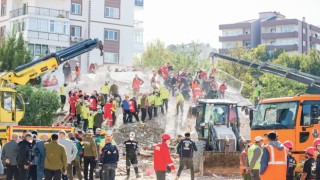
(13, 52)
(41, 106)
(155, 55)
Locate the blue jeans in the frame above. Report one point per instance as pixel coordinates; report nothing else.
(109, 171)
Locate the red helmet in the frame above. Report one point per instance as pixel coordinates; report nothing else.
(316, 142)
(288, 144)
(165, 137)
(311, 151)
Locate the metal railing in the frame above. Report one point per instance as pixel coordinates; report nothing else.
(48, 36)
(39, 11)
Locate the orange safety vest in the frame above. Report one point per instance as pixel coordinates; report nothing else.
(277, 166)
(243, 166)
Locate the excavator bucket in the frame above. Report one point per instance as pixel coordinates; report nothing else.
(220, 164)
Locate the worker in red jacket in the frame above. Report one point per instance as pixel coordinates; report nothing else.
(162, 158)
(107, 115)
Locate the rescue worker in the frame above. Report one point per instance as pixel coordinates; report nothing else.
(66, 68)
(127, 117)
(316, 144)
(130, 151)
(256, 93)
(185, 150)
(164, 94)
(157, 103)
(143, 107)
(133, 107)
(150, 104)
(109, 159)
(136, 83)
(291, 161)
(309, 167)
(93, 101)
(79, 105)
(254, 157)
(90, 119)
(179, 102)
(90, 154)
(114, 91)
(244, 163)
(76, 163)
(97, 119)
(105, 90)
(162, 158)
(273, 163)
(62, 93)
(222, 89)
(85, 114)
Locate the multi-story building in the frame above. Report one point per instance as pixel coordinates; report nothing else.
(273, 30)
(49, 26)
(138, 27)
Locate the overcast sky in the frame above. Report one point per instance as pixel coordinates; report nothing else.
(181, 21)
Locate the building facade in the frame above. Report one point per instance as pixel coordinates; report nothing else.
(49, 26)
(273, 30)
(138, 27)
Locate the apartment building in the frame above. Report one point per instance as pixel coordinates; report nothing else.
(138, 27)
(273, 30)
(49, 26)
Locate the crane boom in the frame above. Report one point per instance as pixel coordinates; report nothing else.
(32, 70)
(290, 73)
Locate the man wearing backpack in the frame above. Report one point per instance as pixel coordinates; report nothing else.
(109, 159)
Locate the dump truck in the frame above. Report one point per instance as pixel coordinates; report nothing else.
(219, 141)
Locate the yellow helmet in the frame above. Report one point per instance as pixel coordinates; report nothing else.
(103, 132)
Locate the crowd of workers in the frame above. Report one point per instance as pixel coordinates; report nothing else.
(275, 161)
(62, 155)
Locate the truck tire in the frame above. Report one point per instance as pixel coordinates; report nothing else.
(197, 156)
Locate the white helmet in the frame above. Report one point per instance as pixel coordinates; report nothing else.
(132, 135)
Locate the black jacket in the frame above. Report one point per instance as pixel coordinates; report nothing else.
(185, 148)
(66, 68)
(24, 155)
(110, 154)
(131, 148)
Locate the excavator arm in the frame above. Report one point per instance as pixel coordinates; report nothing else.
(32, 70)
(290, 73)
(12, 106)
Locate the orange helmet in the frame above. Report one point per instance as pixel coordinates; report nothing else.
(316, 142)
(311, 151)
(288, 144)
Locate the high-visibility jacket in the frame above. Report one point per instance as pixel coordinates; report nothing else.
(250, 156)
(62, 91)
(179, 98)
(85, 112)
(90, 120)
(158, 101)
(151, 99)
(277, 166)
(105, 89)
(162, 158)
(164, 93)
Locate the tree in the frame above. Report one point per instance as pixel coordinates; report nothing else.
(41, 107)
(155, 55)
(13, 52)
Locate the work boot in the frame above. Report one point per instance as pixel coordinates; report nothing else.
(128, 177)
(138, 176)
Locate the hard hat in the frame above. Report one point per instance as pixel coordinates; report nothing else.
(258, 138)
(311, 151)
(316, 142)
(103, 132)
(90, 132)
(109, 132)
(288, 144)
(98, 130)
(108, 137)
(165, 137)
(176, 93)
(132, 135)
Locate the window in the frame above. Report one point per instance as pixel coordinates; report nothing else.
(7, 100)
(33, 24)
(52, 26)
(2, 31)
(42, 25)
(75, 31)
(18, 26)
(111, 12)
(38, 49)
(111, 35)
(273, 30)
(304, 30)
(138, 3)
(304, 43)
(306, 112)
(138, 38)
(3, 10)
(58, 49)
(111, 58)
(76, 8)
(273, 42)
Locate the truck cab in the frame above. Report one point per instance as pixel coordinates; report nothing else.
(294, 119)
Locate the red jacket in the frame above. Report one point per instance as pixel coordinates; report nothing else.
(136, 83)
(162, 157)
(107, 111)
(93, 105)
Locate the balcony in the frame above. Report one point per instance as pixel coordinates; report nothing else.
(138, 24)
(48, 36)
(242, 37)
(293, 47)
(39, 11)
(314, 40)
(280, 35)
(138, 3)
(234, 26)
(280, 22)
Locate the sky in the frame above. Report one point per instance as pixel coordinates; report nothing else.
(183, 21)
